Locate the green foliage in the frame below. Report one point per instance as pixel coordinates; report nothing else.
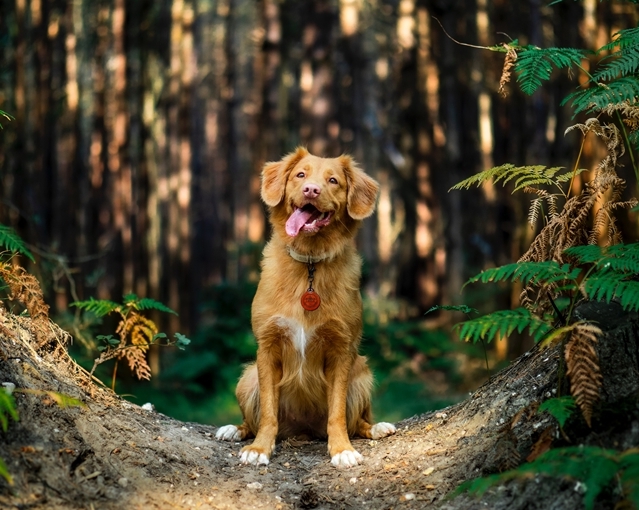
(534, 65)
(560, 408)
(502, 323)
(136, 333)
(601, 96)
(612, 274)
(524, 176)
(99, 307)
(134, 302)
(7, 409)
(597, 468)
(7, 116)
(453, 308)
(13, 242)
(102, 307)
(535, 273)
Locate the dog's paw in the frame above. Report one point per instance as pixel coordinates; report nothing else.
(382, 429)
(228, 433)
(253, 457)
(346, 459)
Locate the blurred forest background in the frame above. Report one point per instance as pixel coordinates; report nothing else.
(141, 127)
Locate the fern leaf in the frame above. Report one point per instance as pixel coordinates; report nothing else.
(604, 286)
(534, 65)
(152, 304)
(600, 96)
(536, 273)
(502, 323)
(582, 363)
(626, 62)
(559, 408)
(13, 242)
(453, 308)
(626, 38)
(99, 307)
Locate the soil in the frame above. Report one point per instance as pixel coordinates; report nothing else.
(109, 453)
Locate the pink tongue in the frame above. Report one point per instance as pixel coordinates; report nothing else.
(296, 221)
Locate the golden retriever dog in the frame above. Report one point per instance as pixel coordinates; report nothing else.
(309, 379)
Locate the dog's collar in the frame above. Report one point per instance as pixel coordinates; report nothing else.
(306, 259)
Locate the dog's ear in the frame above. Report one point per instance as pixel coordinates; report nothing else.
(362, 190)
(274, 176)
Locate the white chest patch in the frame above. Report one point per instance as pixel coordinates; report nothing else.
(298, 335)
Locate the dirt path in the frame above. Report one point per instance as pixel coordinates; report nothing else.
(114, 454)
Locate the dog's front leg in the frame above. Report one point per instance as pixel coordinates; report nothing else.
(269, 373)
(339, 445)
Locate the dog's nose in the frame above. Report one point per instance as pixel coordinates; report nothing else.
(311, 190)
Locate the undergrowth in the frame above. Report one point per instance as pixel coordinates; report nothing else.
(578, 254)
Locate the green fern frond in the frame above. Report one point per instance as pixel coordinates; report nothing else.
(560, 408)
(13, 242)
(535, 273)
(502, 323)
(534, 65)
(7, 409)
(4, 472)
(626, 38)
(524, 176)
(600, 96)
(100, 307)
(152, 304)
(136, 303)
(595, 467)
(602, 287)
(626, 62)
(453, 308)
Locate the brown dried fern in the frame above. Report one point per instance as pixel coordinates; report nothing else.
(509, 63)
(139, 331)
(582, 364)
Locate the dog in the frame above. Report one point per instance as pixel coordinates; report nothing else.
(309, 379)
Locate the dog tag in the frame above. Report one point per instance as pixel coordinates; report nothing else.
(310, 300)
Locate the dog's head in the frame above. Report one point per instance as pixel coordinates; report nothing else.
(313, 196)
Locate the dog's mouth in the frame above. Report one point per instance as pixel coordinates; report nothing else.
(306, 219)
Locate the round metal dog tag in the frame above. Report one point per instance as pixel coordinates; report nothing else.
(310, 300)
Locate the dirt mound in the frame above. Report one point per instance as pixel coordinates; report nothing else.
(110, 453)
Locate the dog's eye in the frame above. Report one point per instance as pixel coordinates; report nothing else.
(333, 180)
(300, 175)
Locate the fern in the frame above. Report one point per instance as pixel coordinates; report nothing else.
(599, 97)
(534, 65)
(597, 468)
(525, 176)
(560, 408)
(12, 242)
(502, 323)
(534, 273)
(453, 308)
(134, 302)
(7, 409)
(99, 307)
(625, 63)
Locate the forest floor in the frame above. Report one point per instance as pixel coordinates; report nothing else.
(109, 453)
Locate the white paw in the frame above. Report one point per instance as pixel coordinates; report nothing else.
(253, 457)
(228, 433)
(346, 459)
(382, 429)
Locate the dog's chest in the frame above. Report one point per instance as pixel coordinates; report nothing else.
(296, 333)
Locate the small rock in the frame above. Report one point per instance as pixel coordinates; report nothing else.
(9, 387)
(409, 496)
(123, 482)
(148, 407)
(353, 481)
(255, 486)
